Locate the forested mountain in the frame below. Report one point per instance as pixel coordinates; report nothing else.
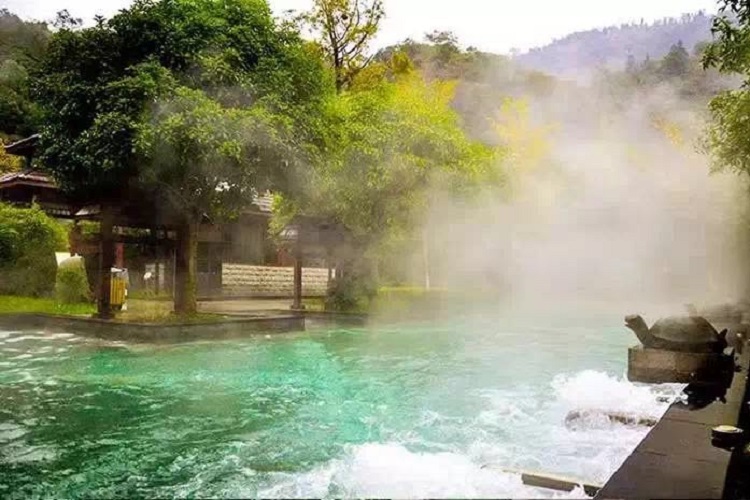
(578, 54)
(22, 45)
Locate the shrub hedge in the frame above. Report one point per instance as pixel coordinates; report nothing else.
(28, 241)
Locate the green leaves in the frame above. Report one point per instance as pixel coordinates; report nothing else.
(730, 52)
(388, 148)
(345, 28)
(727, 136)
(211, 159)
(190, 100)
(21, 46)
(28, 240)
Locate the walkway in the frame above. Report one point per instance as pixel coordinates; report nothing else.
(245, 307)
(676, 459)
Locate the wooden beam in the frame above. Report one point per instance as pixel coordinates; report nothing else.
(106, 260)
(548, 481)
(297, 304)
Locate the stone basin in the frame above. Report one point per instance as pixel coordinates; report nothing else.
(657, 366)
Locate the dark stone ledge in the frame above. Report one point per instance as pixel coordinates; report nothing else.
(155, 333)
(677, 459)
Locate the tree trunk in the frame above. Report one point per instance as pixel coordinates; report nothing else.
(169, 267)
(106, 260)
(297, 304)
(186, 256)
(157, 270)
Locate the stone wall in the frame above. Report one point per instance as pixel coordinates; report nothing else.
(247, 281)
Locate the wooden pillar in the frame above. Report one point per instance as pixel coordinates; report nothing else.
(169, 272)
(297, 304)
(329, 265)
(157, 268)
(185, 293)
(119, 255)
(75, 238)
(106, 260)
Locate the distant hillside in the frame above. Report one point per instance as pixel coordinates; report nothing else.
(580, 53)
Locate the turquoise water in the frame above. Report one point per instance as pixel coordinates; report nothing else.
(389, 411)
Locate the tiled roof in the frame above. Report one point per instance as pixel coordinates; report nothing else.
(24, 147)
(34, 176)
(263, 201)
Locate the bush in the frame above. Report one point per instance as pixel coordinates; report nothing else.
(351, 293)
(72, 286)
(28, 240)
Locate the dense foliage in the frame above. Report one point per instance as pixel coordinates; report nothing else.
(22, 46)
(726, 137)
(195, 57)
(393, 144)
(28, 241)
(344, 29)
(195, 105)
(144, 69)
(71, 284)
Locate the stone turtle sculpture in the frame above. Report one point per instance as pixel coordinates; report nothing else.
(680, 333)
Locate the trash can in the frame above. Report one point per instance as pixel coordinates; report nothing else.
(119, 289)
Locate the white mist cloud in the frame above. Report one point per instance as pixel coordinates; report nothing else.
(618, 215)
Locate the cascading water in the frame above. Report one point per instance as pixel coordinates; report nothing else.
(402, 412)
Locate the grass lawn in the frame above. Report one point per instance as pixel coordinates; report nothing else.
(314, 304)
(139, 311)
(160, 311)
(11, 304)
(389, 298)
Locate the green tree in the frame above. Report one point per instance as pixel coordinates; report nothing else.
(345, 28)
(677, 62)
(392, 146)
(631, 66)
(446, 48)
(726, 135)
(28, 241)
(22, 46)
(9, 163)
(193, 98)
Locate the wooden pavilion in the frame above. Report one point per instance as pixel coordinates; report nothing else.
(152, 235)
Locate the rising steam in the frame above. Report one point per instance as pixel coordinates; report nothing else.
(622, 210)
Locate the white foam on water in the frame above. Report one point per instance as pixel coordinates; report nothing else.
(592, 390)
(390, 470)
(10, 431)
(21, 338)
(518, 430)
(28, 454)
(68, 337)
(22, 356)
(5, 334)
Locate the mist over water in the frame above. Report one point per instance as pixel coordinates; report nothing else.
(622, 212)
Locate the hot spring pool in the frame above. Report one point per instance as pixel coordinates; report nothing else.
(410, 411)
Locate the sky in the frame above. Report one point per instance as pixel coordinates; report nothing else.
(491, 25)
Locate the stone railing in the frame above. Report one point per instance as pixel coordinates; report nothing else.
(248, 281)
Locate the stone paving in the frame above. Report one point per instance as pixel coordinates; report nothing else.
(249, 307)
